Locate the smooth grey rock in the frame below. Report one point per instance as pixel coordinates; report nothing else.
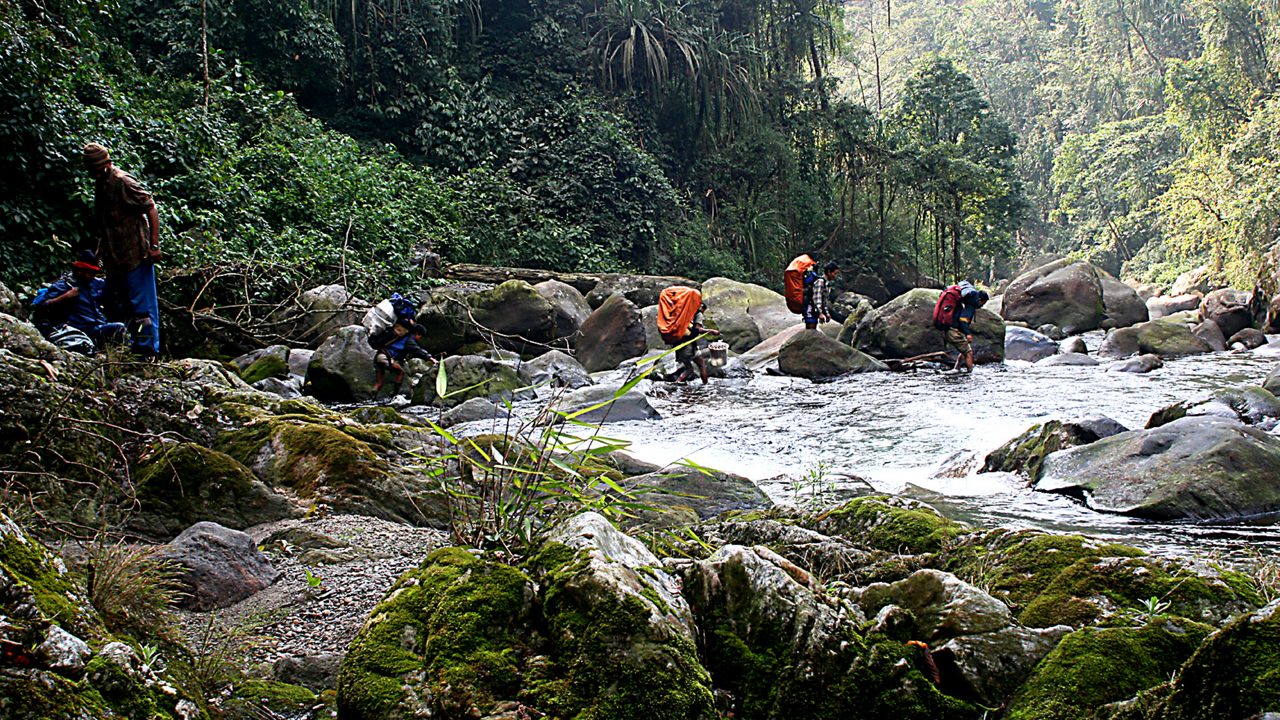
(320, 312)
(631, 406)
(745, 314)
(219, 566)
(1074, 345)
(557, 369)
(288, 388)
(1159, 307)
(1025, 454)
(1157, 337)
(640, 290)
(613, 333)
(1139, 364)
(766, 353)
(1066, 293)
(569, 307)
(474, 410)
(1249, 338)
(342, 370)
(1051, 331)
(707, 494)
(653, 338)
(1121, 303)
(1211, 334)
(314, 672)
(1071, 359)
(815, 356)
(944, 606)
(1229, 309)
(1251, 405)
(1191, 468)
(1027, 345)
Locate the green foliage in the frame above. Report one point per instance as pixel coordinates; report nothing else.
(132, 590)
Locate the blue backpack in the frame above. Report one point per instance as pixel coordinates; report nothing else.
(406, 310)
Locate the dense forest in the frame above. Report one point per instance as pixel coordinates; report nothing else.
(290, 142)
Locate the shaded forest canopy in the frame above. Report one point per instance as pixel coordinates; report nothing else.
(301, 139)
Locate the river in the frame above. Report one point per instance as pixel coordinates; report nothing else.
(898, 431)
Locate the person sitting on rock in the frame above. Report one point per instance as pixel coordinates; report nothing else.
(817, 306)
(690, 358)
(75, 300)
(393, 346)
(960, 334)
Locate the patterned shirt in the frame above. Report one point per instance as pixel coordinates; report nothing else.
(121, 204)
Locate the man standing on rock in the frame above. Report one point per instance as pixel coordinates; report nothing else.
(817, 306)
(128, 229)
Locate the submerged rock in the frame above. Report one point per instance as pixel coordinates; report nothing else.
(1251, 405)
(632, 405)
(1139, 364)
(1194, 468)
(220, 566)
(815, 356)
(1069, 359)
(1025, 453)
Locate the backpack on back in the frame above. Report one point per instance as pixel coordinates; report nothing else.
(948, 305)
(388, 312)
(795, 282)
(677, 306)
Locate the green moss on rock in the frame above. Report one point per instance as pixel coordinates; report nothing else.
(1095, 666)
(303, 455)
(265, 367)
(1234, 674)
(893, 524)
(256, 699)
(450, 631)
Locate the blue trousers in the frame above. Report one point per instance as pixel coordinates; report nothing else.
(133, 297)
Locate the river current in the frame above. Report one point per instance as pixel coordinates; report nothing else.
(923, 434)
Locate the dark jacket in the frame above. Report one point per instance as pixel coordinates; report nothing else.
(83, 312)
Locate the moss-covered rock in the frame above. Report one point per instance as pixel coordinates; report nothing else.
(450, 639)
(517, 313)
(902, 328)
(256, 699)
(270, 365)
(1095, 666)
(184, 483)
(1234, 674)
(472, 376)
(1090, 590)
(1026, 453)
(890, 523)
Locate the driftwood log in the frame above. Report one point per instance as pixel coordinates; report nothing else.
(917, 361)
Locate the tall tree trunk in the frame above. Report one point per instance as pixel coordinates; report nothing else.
(204, 48)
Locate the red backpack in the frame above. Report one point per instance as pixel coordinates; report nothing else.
(944, 313)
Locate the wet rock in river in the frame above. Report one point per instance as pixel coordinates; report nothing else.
(1248, 338)
(1027, 345)
(1139, 364)
(1066, 293)
(1072, 358)
(613, 333)
(1158, 337)
(1026, 453)
(903, 328)
(1211, 334)
(815, 356)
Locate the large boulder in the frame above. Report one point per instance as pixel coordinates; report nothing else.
(978, 645)
(1229, 309)
(342, 369)
(569, 307)
(903, 328)
(1197, 280)
(1027, 345)
(776, 644)
(514, 315)
(1159, 307)
(613, 333)
(1251, 405)
(446, 317)
(745, 314)
(320, 312)
(815, 356)
(1191, 468)
(1211, 334)
(1095, 666)
(1026, 453)
(652, 337)
(1233, 674)
(1121, 303)
(218, 566)
(632, 405)
(185, 483)
(1157, 337)
(641, 290)
(1248, 338)
(472, 376)
(848, 303)
(556, 369)
(765, 354)
(24, 339)
(1065, 293)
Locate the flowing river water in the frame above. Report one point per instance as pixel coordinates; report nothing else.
(917, 434)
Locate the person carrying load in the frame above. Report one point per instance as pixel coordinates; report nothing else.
(69, 310)
(679, 319)
(805, 289)
(954, 313)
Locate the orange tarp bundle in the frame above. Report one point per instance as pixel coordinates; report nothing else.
(793, 282)
(677, 305)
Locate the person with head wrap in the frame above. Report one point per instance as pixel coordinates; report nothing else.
(128, 230)
(75, 300)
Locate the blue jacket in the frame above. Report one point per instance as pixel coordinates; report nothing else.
(83, 312)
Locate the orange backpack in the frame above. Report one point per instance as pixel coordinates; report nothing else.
(677, 306)
(793, 282)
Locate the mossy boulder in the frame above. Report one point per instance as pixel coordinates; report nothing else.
(745, 314)
(772, 642)
(1234, 674)
(24, 339)
(890, 523)
(341, 369)
(255, 699)
(1092, 590)
(185, 483)
(1025, 453)
(472, 376)
(1095, 666)
(271, 364)
(1165, 338)
(903, 328)
(516, 314)
(450, 639)
(815, 356)
(1191, 468)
